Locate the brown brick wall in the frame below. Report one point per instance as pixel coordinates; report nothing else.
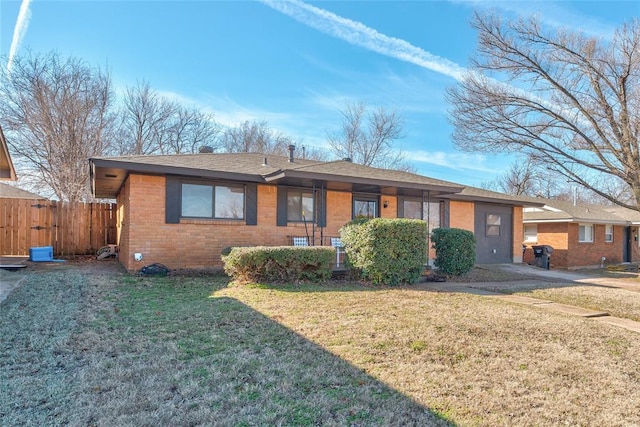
(569, 253)
(198, 243)
(518, 232)
(462, 215)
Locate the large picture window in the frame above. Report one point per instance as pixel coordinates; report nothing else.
(300, 206)
(212, 201)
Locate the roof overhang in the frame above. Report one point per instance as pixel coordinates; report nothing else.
(7, 171)
(108, 176)
(358, 184)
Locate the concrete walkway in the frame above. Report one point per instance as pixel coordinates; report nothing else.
(553, 275)
(9, 280)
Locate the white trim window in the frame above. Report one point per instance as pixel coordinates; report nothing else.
(585, 233)
(531, 233)
(608, 233)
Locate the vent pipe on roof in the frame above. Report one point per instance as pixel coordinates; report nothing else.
(206, 149)
(291, 149)
(347, 159)
(264, 162)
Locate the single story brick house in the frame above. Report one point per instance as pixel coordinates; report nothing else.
(183, 210)
(582, 235)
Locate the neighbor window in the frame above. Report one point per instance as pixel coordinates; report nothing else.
(608, 233)
(493, 225)
(212, 201)
(585, 233)
(365, 207)
(299, 205)
(530, 232)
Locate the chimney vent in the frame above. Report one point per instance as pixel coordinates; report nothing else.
(291, 149)
(347, 159)
(206, 149)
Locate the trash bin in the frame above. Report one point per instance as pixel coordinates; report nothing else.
(543, 255)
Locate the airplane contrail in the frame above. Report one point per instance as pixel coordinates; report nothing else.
(359, 34)
(22, 23)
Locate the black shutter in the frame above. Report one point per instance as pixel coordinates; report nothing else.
(282, 207)
(445, 214)
(251, 192)
(173, 200)
(322, 208)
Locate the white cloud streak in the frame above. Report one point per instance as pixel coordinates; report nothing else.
(20, 30)
(359, 34)
(456, 161)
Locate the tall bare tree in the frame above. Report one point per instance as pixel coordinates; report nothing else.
(573, 104)
(368, 137)
(522, 179)
(152, 124)
(255, 137)
(55, 112)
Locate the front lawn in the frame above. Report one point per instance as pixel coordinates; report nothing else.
(87, 348)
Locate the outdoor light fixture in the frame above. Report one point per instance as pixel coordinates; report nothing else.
(385, 204)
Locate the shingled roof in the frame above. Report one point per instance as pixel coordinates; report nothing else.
(108, 173)
(563, 211)
(11, 192)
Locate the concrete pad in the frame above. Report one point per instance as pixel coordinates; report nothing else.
(617, 321)
(8, 282)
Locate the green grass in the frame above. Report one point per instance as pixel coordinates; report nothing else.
(102, 348)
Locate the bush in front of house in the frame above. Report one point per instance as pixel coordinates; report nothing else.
(279, 264)
(455, 250)
(386, 251)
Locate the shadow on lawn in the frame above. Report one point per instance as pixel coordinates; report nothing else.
(283, 378)
(215, 360)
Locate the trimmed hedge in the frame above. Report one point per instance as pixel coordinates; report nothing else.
(455, 250)
(386, 251)
(279, 263)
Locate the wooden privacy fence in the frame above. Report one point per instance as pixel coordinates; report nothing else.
(71, 228)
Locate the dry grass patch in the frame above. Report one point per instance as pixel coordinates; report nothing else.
(99, 348)
(479, 361)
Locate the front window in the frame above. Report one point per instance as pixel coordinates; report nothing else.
(530, 232)
(415, 209)
(299, 206)
(365, 207)
(212, 201)
(493, 225)
(585, 233)
(608, 233)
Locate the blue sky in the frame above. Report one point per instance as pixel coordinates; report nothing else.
(296, 64)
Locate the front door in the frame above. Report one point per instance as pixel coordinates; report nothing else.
(494, 234)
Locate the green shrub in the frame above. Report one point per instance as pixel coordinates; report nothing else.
(455, 250)
(279, 263)
(386, 251)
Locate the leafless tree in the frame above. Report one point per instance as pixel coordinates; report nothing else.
(152, 124)
(255, 137)
(522, 179)
(55, 112)
(368, 137)
(573, 103)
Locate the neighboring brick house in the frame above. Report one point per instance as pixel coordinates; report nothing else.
(582, 235)
(182, 210)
